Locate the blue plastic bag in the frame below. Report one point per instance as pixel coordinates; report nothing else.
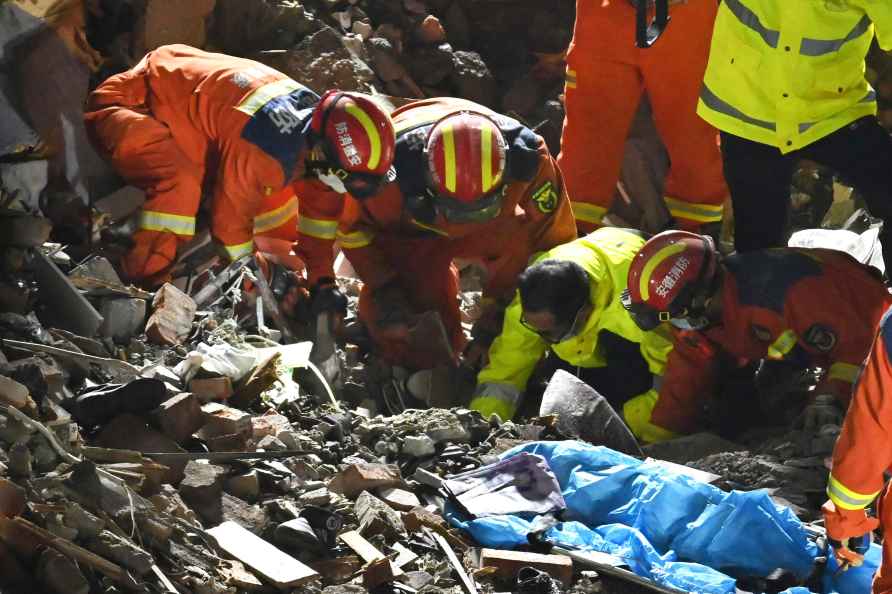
(666, 526)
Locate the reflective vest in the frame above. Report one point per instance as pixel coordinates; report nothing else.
(605, 255)
(789, 72)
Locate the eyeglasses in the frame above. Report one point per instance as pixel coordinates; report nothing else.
(558, 335)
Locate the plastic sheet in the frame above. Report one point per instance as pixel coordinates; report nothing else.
(676, 531)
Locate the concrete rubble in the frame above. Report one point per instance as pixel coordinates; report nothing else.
(161, 442)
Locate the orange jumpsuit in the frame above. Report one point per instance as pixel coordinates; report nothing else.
(182, 119)
(305, 213)
(862, 454)
(816, 306)
(606, 75)
(387, 241)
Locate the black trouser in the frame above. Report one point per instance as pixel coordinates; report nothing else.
(759, 176)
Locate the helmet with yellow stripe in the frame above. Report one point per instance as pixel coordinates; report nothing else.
(672, 279)
(466, 154)
(357, 140)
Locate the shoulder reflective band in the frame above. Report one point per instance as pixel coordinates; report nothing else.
(262, 95)
(153, 220)
(318, 228)
(845, 498)
(781, 347)
(355, 239)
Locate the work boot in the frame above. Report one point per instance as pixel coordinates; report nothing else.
(533, 581)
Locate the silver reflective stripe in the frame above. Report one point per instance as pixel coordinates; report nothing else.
(870, 97)
(750, 20)
(716, 104)
(504, 392)
(820, 47)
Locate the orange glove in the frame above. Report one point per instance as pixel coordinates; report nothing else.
(849, 532)
(153, 252)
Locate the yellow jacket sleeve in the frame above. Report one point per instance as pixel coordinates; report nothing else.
(880, 12)
(512, 358)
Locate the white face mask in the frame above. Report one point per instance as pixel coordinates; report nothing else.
(332, 181)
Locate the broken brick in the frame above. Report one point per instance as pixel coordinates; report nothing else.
(179, 417)
(399, 499)
(172, 315)
(211, 388)
(357, 478)
(376, 517)
(220, 419)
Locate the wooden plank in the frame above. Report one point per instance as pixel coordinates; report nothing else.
(467, 581)
(276, 566)
(508, 563)
(366, 550)
(405, 555)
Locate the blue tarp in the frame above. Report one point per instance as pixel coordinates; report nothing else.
(668, 527)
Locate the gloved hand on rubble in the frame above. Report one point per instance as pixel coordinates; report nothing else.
(823, 410)
(483, 333)
(325, 297)
(850, 533)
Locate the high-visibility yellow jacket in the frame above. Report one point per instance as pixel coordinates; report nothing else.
(789, 72)
(605, 255)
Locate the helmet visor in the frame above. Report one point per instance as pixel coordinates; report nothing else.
(484, 209)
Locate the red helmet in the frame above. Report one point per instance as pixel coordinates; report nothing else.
(357, 139)
(466, 155)
(671, 277)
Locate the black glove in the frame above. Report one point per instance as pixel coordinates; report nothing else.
(326, 297)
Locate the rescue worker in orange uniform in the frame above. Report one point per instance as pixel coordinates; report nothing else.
(606, 76)
(862, 454)
(471, 184)
(814, 307)
(182, 118)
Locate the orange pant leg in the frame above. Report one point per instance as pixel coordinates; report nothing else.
(673, 73)
(601, 95)
(430, 281)
(882, 581)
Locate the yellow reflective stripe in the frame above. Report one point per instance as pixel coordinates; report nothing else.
(845, 372)
(588, 212)
(845, 498)
(650, 266)
(493, 397)
(703, 213)
(781, 347)
(486, 158)
(421, 225)
(355, 240)
(237, 251)
(449, 157)
(273, 218)
(413, 118)
(570, 78)
(262, 95)
(153, 220)
(319, 228)
(369, 126)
